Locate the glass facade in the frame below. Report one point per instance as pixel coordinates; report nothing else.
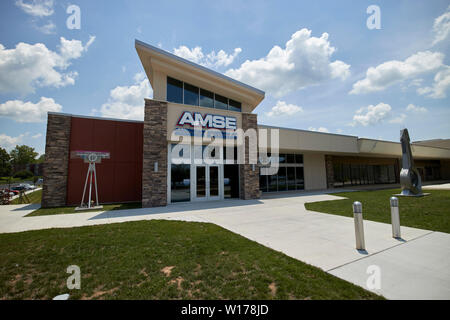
(363, 174)
(290, 175)
(174, 90)
(180, 182)
(185, 93)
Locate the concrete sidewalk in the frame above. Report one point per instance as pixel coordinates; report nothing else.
(283, 224)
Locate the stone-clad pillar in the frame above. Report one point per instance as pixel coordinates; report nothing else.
(330, 171)
(249, 179)
(56, 164)
(154, 184)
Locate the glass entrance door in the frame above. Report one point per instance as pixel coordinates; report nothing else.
(208, 182)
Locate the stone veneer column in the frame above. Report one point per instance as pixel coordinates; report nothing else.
(249, 179)
(154, 184)
(56, 164)
(330, 171)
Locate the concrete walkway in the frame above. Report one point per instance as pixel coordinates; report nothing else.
(415, 267)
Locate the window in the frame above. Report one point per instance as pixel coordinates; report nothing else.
(220, 102)
(185, 93)
(263, 183)
(180, 182)
(174, 90)
(299, 178)
(206, 98)
(289, 176)
(282, 185)
(290, 158)
(190, 94)
(234, 105)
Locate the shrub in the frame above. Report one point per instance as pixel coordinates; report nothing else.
(24, 174)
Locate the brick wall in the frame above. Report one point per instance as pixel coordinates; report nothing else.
(56, 161)
(249, 179)
(154, 184)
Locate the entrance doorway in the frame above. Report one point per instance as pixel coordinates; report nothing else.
(207, 182)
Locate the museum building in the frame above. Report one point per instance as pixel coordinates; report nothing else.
(141, 169)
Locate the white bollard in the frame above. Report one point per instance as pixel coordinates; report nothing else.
(395, 218)
(359, 225)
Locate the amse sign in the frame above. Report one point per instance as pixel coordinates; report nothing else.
(207, 121)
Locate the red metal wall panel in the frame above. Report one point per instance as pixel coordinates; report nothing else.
(120, 177)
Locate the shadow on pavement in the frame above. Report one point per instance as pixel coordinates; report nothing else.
(174, 208)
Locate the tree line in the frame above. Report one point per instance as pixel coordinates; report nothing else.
(17, 159)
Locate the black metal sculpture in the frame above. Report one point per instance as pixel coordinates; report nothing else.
(410, 180)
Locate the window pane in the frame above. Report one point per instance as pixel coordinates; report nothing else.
(220, 102)
(272, 180)
(282, 185)
(263, 183)
(299, 180)
(282, 158)
(180, 182)
(291, 178)
(213, 181)
(298, 158)
(190, 94)
(290, 158)
(234, 105)
(206, 98)
(174, 90)
(201, 182)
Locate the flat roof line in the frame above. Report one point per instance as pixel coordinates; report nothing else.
(302, 130)
(93, 117)
(193, 64)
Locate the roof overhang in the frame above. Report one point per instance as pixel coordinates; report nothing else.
(156, 59)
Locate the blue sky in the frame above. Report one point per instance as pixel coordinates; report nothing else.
(312, 81)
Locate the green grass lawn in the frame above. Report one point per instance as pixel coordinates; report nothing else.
(158, 260)
(35, 197)
(431, 212)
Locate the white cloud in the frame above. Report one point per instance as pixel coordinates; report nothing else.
(390, 72)
(33, 65)
(440, 86)
(37, 136)
(399, 119)
(127, 102)
(320, 129)
(416, 109)
(372, 115)
(282, 108)
(304, 61)
(8, 142)
(21, 111)
(441, 27)
(37, 8)
(49, 28)
(210, 60)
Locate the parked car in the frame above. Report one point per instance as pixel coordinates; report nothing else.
(27, 186)
(14, 192)
(18, 188)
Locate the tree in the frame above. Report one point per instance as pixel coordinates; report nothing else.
(41, 159)
(22, 155)
(5, 163)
